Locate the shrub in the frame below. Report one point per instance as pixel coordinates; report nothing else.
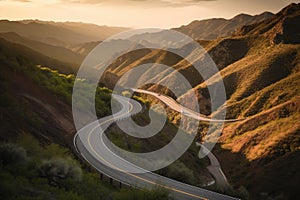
(57, 170)
(12, 154)
(155, 194)
(180, 172)
(126, 94)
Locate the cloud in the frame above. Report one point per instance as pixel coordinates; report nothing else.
(146, 3)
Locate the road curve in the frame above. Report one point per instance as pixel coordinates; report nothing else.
(214, 168)
(90, 142)
(185, 111)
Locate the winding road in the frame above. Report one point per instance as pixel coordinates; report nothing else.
(90, 142)
(185, 111)
(214, 168)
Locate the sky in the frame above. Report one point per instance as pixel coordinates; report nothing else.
(134, 13)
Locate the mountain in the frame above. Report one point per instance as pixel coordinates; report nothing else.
(280, 28)
(259, 64)
(211, 29)
(59, 33)
(262, 85)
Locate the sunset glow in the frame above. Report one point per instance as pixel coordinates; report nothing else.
(133, 13)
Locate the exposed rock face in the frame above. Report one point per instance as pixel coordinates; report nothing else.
(289, 31)
(228, 51)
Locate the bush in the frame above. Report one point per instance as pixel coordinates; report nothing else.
(155, 194)
(8, 185)
(126, 94)
(58, 171)
(179, 172)
(12, 154)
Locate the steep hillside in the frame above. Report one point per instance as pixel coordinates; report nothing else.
(263, 87)
(211, 29)
(56, 52)
(12, 49)
(281, 28)
(26, 105)
(38, 96)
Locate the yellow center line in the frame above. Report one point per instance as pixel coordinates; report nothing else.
(135, 176)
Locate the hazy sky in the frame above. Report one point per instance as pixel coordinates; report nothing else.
(134, 13)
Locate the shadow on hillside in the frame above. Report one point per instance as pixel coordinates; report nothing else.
(273, 178)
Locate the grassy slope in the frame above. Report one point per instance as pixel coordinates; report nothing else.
(263, 86)
(271, 131)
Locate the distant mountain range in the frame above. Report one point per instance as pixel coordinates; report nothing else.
(59, 33)
(70, 42)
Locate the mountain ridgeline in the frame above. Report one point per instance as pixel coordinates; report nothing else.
(59, 33)
(211, 29)
(69, 42)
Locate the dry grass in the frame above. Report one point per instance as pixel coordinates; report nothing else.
(258, 135)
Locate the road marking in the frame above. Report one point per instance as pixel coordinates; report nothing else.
(135, 176)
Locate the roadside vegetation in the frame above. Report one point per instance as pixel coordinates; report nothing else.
(30, 170)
